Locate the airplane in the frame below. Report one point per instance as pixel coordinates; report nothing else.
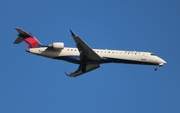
(87, 58)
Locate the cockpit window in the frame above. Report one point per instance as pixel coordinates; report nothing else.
(153, 54)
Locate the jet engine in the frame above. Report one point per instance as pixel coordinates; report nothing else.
(56, 45)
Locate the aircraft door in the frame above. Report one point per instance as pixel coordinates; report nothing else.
(143, 58)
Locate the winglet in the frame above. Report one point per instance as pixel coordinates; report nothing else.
(67, 74)
(72, 33)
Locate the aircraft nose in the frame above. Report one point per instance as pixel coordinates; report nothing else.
(164, 61)
(161, 62)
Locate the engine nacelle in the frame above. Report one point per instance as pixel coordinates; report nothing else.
(57, 45)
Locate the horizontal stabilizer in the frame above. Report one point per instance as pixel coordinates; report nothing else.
(18, 40)
(23, 33)
(30, 40)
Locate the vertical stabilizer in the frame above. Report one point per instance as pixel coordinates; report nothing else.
(30, 40)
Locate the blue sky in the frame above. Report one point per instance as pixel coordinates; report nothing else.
(33, 84)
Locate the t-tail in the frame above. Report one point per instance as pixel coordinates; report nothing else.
(30, 40)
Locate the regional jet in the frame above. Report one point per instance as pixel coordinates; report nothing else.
(87, 58)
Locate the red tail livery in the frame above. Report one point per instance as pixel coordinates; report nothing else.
(88, 59)
(30, 40)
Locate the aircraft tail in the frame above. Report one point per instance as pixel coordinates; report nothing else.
(30, 40)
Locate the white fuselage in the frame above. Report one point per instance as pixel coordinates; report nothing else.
(117, 56)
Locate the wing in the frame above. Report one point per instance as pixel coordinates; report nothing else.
(86, 54)
(83, 47)
(89, 67)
